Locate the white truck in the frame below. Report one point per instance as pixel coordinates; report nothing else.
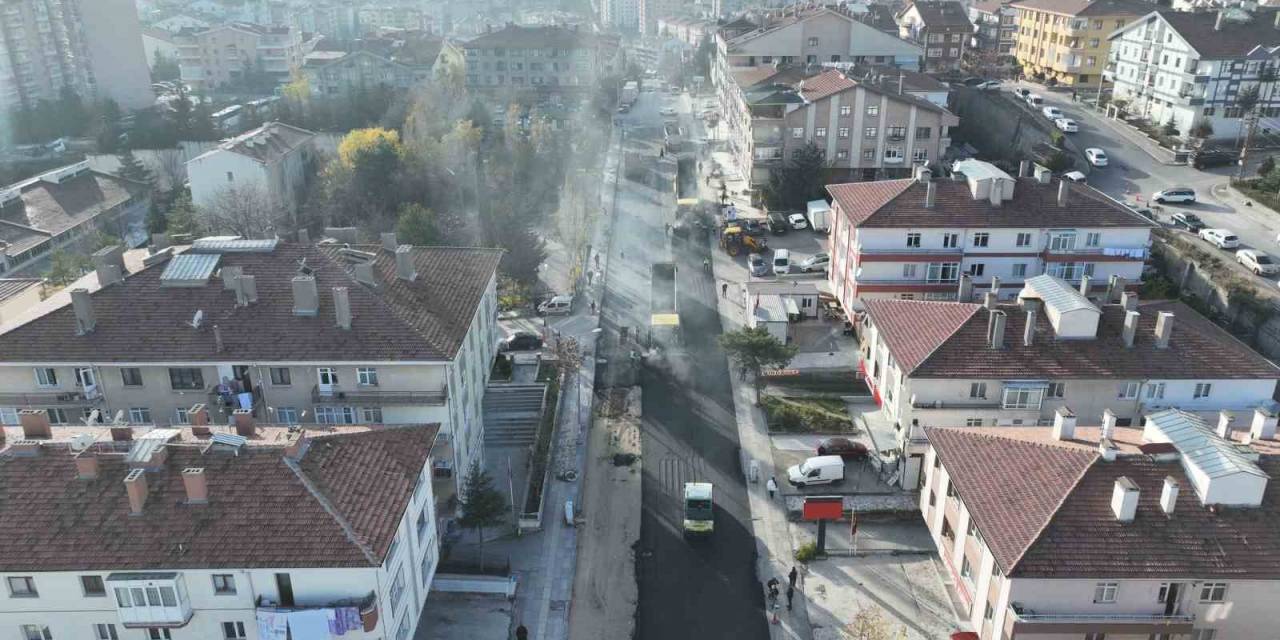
(819, 214)
(629, 93)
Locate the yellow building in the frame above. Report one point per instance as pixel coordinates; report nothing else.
(1066, 40)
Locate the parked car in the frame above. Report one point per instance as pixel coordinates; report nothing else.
(668, 111)
(758, 265)
(1034, 100)
(777, 223)
(990, 85)
(1208, 158)
(1175, 194)
(752, 227)
(816, 470)
(1067, 125)
(816, 262)
(798, 221)
(1052, 113)
(1146, 213)
(521, 341)
(781, 262)
(843, 447)
(1220, 238)
(973, 81)
(1257, 262)
(1075, 176)
(1096, 157)
(1189, 221)
(557, 306)
(1021, 93)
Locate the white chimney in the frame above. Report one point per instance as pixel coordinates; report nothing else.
(1129, 300)
(229, 274)
(306, 299)
(1029, 333)
(389, 241)
(1124, 499)
(1108, 423)
(1224, 424)
(1064, 191)
(1169, 495)
(966, 288)
(1107, 449)
(405, 270)
(930, 194)
(82, 304)
(1131, 327)
(923, 173)
(996, 192)
(365, 275)
(304, 237)
(1064, 424)
(995, 329)
(1084, 286)
(989, 300)
(1024, 168)
(1164, 329)
(1043, 175)
(342, 307)
(109, 264)
(1264, 423)
(995, 285)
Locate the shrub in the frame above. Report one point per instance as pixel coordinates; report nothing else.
(807, 552)
(803, 415)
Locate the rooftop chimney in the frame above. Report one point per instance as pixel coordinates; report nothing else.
(304, 237)
(1084, 286)
(1276, 23)
(198, 415)
(995, 329)
(217, 339)
(82, 304)
(35, 424)
(1043, 175)
(1108, 423)
(1164, 329)
(121, 434)
(1217, 23)
(389, 241)
(923, 173)
(1225, 419)
(109, 263)
(989, 300)
(1129, 300)
(1124, 499)
(1064, 191)
(229, 275)
(296, 444)
(1264, 424)
(1130, 327)
(931, 195)
(1024, 168)
(996, 193)
(1169, 495)
(1029, 333)
(243, 419)
(995, 285)
(342, 307)
(306, 300)
(246, 290)
(1064, 424)
(196, 484)
(1115, 288)
(25, 448)
(1107, 449)
(965, 293)
(404, 263)
(87, 466)
(136, 485)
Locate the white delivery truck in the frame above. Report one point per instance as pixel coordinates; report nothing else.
(819, 213)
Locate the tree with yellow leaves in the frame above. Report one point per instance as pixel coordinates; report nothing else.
(870, 624)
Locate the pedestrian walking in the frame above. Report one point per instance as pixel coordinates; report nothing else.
(593, 307)
(791, 577)
(522, 633)
(773, 590)
(724, 289)
(771, 486)
(791, 593)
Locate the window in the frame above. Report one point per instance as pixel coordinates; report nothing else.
(870, 132)
(287, 415)
(813, 42)
(93, 587)
(1105, 592)
(105, 631)
(1092, 239)
(131, 376)
(1163, 594)
(797, 132)
(371, 415)
(57, 416)
(973, 422)
(22, 587)
(896, 133)
(842, 155)
(1056, 390)
(1062, 241)
(1202, 390)
(36, 632)
(1024, 240)
(893, 154)
(367, 376)
(186, 378)
(976, 269)
(977, 389)
(224, 584)
(1127, 390)
(913, 240)
(1213, 592)
(335, 415)
(233, 631)
(1020, 270)
(1155, 391)
(1021, 398)
(180, 416)
(988, 612)
(843, 132)
(140, 415)
(46, 377)
(923, 133)
(909, 271)
(873, 110)
(950, 240)
(943, 272)
(9, 415)
(397, 590)
(966, 569)
(981, 239)
(868, 154)
(158, 633)
(1094, 635)
(280, 377)
(820, 132)
(845, 110)
(920, 154)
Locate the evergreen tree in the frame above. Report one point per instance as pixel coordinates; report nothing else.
(182, 215)
(157, 220)
(131, 168)
(482, 504)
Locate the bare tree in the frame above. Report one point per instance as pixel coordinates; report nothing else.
(171, 168)
(243, 210)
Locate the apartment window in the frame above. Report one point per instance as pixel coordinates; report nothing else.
(140, 415)
(870, 132)
(1021, 398)
(1092, 239)
(1155, 391)
(367, 376)
(896, 133)
(966, 569)
(977, 390)
(131, 376)
(873, 110)
(845, 110)
(893, 153)
(1127, 390)
(981, 239)
(186, 379)
(813, 42)
(36, 632)
(181, 415)
(335, 415)
(1093, 43)
(977, 269)
(1094, 635)
(233, 631)
(1163, 594)
(913, 240)
(281, 377)
(923, 133)
(1024, 240)
(988, 612)
(1020, 270)
(820, 132)
(1062, 242)
(224, 584)
(1203, 389)
(868, 154)
(1056, 390)
(397, 590)
(158, 633)
(842, 155)
(287, 415)
(843, 132)
(105, 631)
(1105, 592)
(909, 271)
(950, 240)
(973, 422)
(57, 416)
(1213, 592)
(943, 272)
(797, 132)
(93, 587)
(46, 377)
(371, 415)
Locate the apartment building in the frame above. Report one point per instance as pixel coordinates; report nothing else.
(917, 238)
(942, 27)
(690, 31)
(205, 532)
(999, 365)
(66, 209)
(395, 17)
(1189, 68)
(271, 161)
(287, 333)
(337, 20)
(623, 15)
(337, 73)
(995, 32)
(1161, 530)
(1066, 41)
(552, 59)
(226, 54)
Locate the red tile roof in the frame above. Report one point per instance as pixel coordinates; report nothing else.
(338, 507)
(825, 84)
(913, 329)
(860, 200)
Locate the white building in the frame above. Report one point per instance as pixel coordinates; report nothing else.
(270, 160)
(1190, 68)
(203, 533)
(228, 54)
(285, 333)
(949, 364)
(915, 238)
(1163, 531)
(338, 73)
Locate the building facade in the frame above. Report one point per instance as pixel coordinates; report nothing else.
(995, 33)
(343, 73)
(270, 162)
(548, 59)
(228, 54)
(1067, 42)
(1190, 68)
(941, 27)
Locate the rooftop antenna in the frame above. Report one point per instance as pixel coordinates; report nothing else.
(303, 269)
(197, 319)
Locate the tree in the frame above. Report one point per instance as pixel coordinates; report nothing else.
(754, 349)
(1201, 129)
(157, 220)
(416, 225)
(64, 268)
(164, 68)
(870, 624)
(800, 180)
(1267, 166)
(482, 504)
(1170, 127)
(181, 218)
(172, 169)
(1057, 161)
(131, 168)
(242, 210)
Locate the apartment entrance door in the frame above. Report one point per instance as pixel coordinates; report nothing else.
(327, 380)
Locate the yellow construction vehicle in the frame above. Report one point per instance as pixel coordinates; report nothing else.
(734, 241)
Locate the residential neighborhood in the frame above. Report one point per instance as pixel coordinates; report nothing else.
(655, 319)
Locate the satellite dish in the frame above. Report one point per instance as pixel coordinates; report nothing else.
(91, 418)
(82, 441)
(196, 319)
(119, 419)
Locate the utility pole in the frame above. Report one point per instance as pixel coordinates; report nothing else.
(1248, 137)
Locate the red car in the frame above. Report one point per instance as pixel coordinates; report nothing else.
(843, 447)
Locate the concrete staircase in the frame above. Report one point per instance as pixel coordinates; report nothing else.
(512, 412)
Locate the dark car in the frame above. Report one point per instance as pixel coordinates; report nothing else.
(843, 447)
(1189, 221)
(521, 341)
(752, 227)
(1205, 158)
(777, 223)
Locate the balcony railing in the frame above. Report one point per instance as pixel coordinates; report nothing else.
(976, 403)
(905, 282)
(911, 250)
(47, 399)
(1103, 618)
(373, 395)
(1134, 253)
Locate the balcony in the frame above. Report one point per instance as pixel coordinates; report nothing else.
(150, 599)
(906, 253)
(976, 403)
(1021, 621)
(48, 399)
(373, 395)
(367, 606)
(1097, 254)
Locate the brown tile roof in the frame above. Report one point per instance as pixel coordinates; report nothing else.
(1087, 7)
(267, 143)
(900, 203)
(139, 320)
(935, 14)
(545, 37)
(1197, 349)
(825, 84)
(1237, 37)
(338, 508)
(913, 329)
(54, 208)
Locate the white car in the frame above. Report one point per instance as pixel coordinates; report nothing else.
(1067, 125)
(990, 85)
(1033, 99)
(1075, 176)
(1096, 157)
(1052, 113)
(668, 111)
(817, 262)
(1257, 262)
(1175, 194)
(1220, 238)
(798, 221)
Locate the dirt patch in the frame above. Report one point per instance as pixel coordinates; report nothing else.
(807, 415)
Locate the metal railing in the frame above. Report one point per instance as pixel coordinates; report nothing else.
(376, 396)
(1139, 618)
(910, 250)
(47, 399)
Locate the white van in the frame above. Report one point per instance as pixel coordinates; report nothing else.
(1035, 100)
(557, 306)
(817, 470)
(781, 262)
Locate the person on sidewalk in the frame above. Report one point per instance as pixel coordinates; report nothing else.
(791, 593)
(771, 486)
(791, 577)
(724, 289)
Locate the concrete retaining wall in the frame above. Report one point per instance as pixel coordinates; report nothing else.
(460, 583)
(997, 125)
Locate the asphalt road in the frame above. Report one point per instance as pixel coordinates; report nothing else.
(699, 589)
